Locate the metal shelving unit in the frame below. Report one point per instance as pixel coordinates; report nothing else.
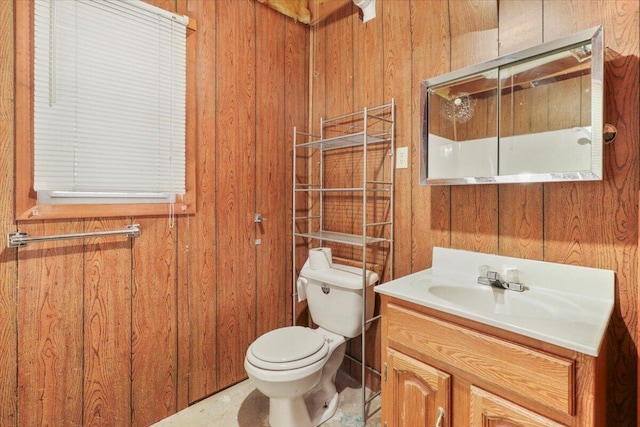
(367, 138)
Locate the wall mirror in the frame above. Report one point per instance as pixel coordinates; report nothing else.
(530, 116)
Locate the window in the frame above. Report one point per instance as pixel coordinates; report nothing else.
(109, 110)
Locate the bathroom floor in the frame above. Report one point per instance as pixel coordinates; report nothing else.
(243, 406)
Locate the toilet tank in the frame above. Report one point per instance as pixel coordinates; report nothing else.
(335, 296)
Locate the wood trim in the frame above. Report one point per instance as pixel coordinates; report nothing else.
(25, 198)
(27, 207)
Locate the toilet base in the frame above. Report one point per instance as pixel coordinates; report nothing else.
(295, 412)
(323, 406)
(285, 412)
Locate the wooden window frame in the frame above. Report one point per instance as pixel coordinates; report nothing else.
(26, 198)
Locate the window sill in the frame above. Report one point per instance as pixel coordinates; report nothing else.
(42, 212)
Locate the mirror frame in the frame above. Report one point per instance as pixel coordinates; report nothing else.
(595, 173)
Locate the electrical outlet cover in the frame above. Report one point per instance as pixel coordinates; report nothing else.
(402, 157)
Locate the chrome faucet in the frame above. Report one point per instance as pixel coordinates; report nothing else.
(494, 279)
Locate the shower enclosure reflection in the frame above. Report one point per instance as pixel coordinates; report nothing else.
(532, 116)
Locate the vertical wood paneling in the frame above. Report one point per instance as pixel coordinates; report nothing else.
(317, 76)
(307, 167)
(198, 240)
(270, 171)
(127, 332)
(296, 114)
(60, 382)
(474, 38)
(595, 224)
(338, 164)
(339, 62)
(235, 179)
(154, 322)
(368, 91)
(107, 327)
(591, 224)
(520, 215)
(8, 337)
(368, 62)
(154, 338)
(50, 323)
(397, 84)
(184, 307)
(431, 57)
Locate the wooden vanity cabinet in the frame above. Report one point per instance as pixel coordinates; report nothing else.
(477, 375)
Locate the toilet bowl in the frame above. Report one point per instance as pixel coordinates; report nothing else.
(296, 367)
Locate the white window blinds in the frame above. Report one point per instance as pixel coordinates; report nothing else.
(109, 102)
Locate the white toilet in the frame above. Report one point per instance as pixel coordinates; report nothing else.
(295, 367)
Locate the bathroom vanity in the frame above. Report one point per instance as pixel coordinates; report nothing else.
(460, 353)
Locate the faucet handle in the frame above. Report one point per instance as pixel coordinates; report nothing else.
(513, 280)
(513, 275)
(483, 270)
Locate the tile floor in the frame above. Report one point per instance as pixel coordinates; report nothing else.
(243, 406)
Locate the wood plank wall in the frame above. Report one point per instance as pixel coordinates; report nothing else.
(8, 265)
(113, 332)
(591, 224)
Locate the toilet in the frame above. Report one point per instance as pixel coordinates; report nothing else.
(296, 366)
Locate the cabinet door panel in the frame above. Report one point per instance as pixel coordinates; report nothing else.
(489, 410)
(416, 391)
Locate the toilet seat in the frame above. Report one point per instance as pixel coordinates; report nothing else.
(287, 348)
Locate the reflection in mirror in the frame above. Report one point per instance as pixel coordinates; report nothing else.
(546, 108)
(462, 127)
(530, 116)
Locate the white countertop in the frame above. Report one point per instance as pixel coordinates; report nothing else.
(565, 305)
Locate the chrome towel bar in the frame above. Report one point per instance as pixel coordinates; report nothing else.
(20, 239)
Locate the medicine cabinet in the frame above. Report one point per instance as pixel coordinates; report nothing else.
(530, 116)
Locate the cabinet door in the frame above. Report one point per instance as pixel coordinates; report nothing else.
(415, 394)
(489, 410)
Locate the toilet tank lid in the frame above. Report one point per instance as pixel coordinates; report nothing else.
(343, 276)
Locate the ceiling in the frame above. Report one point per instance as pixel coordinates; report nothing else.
(310, 12)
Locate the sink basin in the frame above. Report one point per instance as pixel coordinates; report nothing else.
(565, 305)
(490, 300)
